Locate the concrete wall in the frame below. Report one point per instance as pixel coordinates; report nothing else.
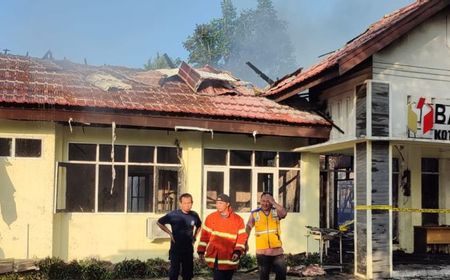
(417, 65)
(26, 193)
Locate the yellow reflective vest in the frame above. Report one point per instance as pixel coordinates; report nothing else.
(267, 229)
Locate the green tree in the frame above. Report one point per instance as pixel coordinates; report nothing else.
(256, 35)
(207, 45)
(162, 62)
(211, 42)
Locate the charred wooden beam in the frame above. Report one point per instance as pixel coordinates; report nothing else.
(260, 73)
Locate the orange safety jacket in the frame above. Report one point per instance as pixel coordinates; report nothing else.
(220, 237)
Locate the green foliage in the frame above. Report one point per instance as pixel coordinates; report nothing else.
(44, 264)
(302, 259)
(130, 269)
(157, 268)
(247, 262)
(29, 275)
(161, 62)
(208, 44)
(9, 276)
(62, 271)
(256, 35)
(200, 268)
(93, 269)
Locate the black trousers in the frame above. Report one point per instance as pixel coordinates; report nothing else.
(222, 274)
(183, 261)
(266, 264)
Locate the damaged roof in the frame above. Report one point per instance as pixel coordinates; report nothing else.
(183, 92)
(379, 35)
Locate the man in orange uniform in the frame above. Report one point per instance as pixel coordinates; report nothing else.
(223, 239)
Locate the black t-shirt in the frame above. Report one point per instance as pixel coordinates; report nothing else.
(182, 228)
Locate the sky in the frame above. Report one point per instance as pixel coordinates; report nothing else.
(129, 32)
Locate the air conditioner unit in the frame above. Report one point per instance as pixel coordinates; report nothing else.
(153, 231)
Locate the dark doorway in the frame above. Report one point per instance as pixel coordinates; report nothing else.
(430, 190)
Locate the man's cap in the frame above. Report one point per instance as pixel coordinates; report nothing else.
(223, 197)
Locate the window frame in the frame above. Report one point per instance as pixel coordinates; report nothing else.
(255, 170)
(12, 151)
(126, 164)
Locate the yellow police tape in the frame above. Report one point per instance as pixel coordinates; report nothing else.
(397, 209)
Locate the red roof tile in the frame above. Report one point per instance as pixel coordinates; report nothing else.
(377, 31)
(33, 81)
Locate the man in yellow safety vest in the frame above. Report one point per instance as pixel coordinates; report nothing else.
(269, 251)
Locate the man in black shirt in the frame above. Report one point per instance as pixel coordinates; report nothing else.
(183, 221)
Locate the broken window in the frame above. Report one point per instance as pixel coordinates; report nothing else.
(111, 197)
(106, 152)
(241, 158)
(140, 154)
(240, 189)
(22, 147)
(92, 182)
(168, 155)
(215, 157)
(289, 189)
(5, 147)
(167, 182)
(265, 183)
(80, 187)
(265, 158)
(214, 187)
(234, 172)
(289, 159)
(28, 147)
(82, 152)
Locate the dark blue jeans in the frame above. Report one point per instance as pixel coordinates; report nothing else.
(266, 264)
(185, 261)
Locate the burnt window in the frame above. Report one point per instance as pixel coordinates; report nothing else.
(240, 189)
(28, 147)
(289, 159)
(119, 153)
(289, 189)
(111, 195)
(241, 158)
(80, 187)
(82, 152)
(5, 147)
(246, 174)
(134, 182)
(143, 154)
(215, 157)
(168, 155)
(265, 158)
(166, 196)
(214, 187)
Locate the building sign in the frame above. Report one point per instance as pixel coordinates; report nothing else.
(429, 118)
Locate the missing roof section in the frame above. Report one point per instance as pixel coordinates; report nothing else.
(107, 82)
(213, 82)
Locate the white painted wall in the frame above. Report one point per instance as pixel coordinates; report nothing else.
(418, 64)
